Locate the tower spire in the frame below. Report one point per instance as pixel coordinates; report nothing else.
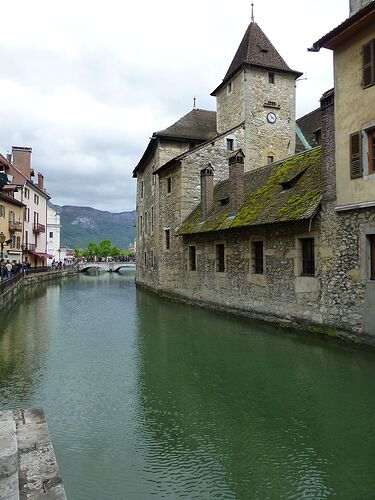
(252, 12)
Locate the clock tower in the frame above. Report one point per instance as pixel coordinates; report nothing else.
(259, 91)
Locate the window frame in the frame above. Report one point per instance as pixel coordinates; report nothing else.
(308, 258)
(192, 258)
(257, 260)
(371, 150)
(229, 144)
(220, 266)
(368, 65)
(271, 77)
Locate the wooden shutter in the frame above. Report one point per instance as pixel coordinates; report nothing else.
(368, 58)
(356, 155)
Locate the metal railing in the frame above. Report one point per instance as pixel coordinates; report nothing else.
(29, 246)
(39, 228)
(15, 226)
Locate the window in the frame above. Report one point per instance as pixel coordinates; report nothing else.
(230, 144)
(257, 256)
(27, 214)
(308, 258)
(145, 259)
(141, 224)
(371, 151)
(152, 220)
(36, 199)
(36, 218)
(51, 234)
(2, 212)
(229, 88)
(271, 77)
(27, 193)
(220, 258)
(167, 234)
(169, 184)
(192, 258)
(152, 259)
(12, 216)
(269, 159)
(26, 238)
(142, 189)
(371, 238)
(368, 64)
(146, 222)
(356, 155)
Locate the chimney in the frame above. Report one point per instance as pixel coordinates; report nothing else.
(9, 157)
(357, 5)
(327, 106)
(22, 160)
(236, 180)
(40, 181)
(207, 190)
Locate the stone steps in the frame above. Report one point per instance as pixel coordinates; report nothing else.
(28, 467)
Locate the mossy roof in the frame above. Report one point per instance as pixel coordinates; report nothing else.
(281, 192)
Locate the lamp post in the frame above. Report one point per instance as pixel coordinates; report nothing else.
(2, 240)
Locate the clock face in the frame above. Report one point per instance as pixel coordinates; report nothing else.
(271, 117)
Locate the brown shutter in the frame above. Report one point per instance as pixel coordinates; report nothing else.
(356, 155)
(368, 64)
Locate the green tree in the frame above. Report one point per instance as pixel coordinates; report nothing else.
(92, 249)
(105, 248)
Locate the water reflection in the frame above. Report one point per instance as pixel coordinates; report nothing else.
(150, 398)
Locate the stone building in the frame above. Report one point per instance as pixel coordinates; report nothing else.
(240, 223)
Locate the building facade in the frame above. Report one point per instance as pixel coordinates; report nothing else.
(240, 223)
(53, 235)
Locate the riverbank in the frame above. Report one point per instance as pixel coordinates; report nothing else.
(9, 292)
(301, 325)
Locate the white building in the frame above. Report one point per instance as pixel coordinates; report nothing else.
(53, 235)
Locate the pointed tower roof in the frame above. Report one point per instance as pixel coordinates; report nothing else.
(256, 50)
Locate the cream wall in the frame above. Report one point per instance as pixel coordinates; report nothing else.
(13, 252)
(230, 106)
(354, 111)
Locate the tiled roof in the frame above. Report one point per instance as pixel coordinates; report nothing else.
(197, 124)
(282, 192)
(345, 30)
(309, 124)
(255, 49)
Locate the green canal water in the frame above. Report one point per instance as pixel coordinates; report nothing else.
(147, 398)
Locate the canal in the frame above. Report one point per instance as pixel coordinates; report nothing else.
(147, 398)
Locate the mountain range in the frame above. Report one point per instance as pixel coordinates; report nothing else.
(81, 225)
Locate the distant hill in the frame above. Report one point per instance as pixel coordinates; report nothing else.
(81, 225)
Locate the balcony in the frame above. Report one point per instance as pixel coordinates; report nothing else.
(15, 226)
(39, 228)
(29, 247)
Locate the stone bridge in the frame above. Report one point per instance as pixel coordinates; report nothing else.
(112, 267)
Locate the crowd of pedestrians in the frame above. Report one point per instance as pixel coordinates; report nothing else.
(8, 269)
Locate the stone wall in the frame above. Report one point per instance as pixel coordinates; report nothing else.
(31, 279)
(230, 105)
(265, 139)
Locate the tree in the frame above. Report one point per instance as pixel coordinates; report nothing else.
(92, 249)
(105, 248)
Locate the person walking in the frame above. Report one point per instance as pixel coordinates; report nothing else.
(8, 269)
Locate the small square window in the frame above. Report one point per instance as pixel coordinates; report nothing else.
(230, 88)
(230, 144)
(271, 77)
(269, 159)
(51, 234)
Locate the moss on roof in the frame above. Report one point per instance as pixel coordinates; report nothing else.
(285, 191)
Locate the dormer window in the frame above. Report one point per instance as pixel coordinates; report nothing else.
(230, 144)
(271, 78)
(229, 88)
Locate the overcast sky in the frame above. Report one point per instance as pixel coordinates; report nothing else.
(86, 83)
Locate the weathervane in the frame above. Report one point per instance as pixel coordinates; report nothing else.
(252, 12)
(194, 101)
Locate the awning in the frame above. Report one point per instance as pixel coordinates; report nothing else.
(42, 255)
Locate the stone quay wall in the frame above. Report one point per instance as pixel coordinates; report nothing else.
(32, 279)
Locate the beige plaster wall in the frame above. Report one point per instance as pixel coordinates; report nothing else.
(230, 107)
(354, 110)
